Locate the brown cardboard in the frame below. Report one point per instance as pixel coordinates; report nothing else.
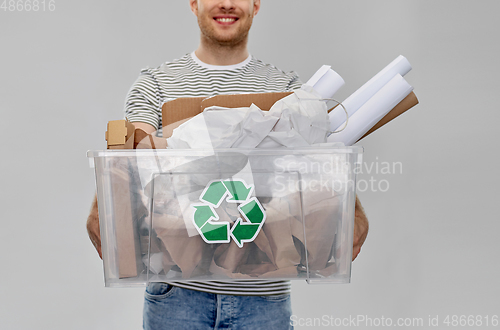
(126, 240)
(406, 104)
(177, 111)
(182, 108)
(263, 100)
(140, 135)
(122, 134)
(119, 131)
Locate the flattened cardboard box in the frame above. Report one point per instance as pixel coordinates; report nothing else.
(121, 134)
(177, 111)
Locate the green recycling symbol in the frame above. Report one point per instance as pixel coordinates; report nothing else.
(237, 191)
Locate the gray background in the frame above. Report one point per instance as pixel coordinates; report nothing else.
(432, 249)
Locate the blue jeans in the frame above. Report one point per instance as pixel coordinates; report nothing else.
(171, 307)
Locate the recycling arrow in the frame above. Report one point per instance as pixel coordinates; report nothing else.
(214, 193)
(210, 231)
(237, 191)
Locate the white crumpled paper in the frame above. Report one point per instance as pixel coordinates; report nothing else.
(298, 120)
(303, 121)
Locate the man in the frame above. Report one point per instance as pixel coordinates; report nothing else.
(220, 64)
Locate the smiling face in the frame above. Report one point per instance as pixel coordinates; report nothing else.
(225, 22)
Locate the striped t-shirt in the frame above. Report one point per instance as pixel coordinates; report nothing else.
(189, 77)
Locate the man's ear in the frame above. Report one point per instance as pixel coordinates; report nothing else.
(194, 6)
(256, 7)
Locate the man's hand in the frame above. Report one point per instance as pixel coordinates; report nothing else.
(93, 227)
(360, 228)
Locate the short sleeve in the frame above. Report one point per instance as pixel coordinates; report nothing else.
(295, 82)
(143, 100)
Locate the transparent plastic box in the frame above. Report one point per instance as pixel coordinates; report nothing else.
(180, 215)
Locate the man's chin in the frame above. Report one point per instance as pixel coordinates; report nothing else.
(228, 41)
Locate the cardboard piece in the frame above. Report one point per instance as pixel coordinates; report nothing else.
(180, 109)
(177, 111)
(122, 134)
(118, 133)
(406, 104)
(126, 214)
(263, 100)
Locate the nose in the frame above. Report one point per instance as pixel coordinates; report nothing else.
(226, 4)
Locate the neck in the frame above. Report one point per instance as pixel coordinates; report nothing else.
(220, 54)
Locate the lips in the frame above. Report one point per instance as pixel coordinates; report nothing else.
(225, 19)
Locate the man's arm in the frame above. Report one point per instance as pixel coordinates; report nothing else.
(360, 228)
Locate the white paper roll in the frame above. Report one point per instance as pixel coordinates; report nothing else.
(399, 66)
(326, 82)
(372, 111)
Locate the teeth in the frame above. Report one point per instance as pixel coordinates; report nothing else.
(226, 20)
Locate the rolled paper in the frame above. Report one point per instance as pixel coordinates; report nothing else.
(372, 111)
(326, 82)
(399, 66)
